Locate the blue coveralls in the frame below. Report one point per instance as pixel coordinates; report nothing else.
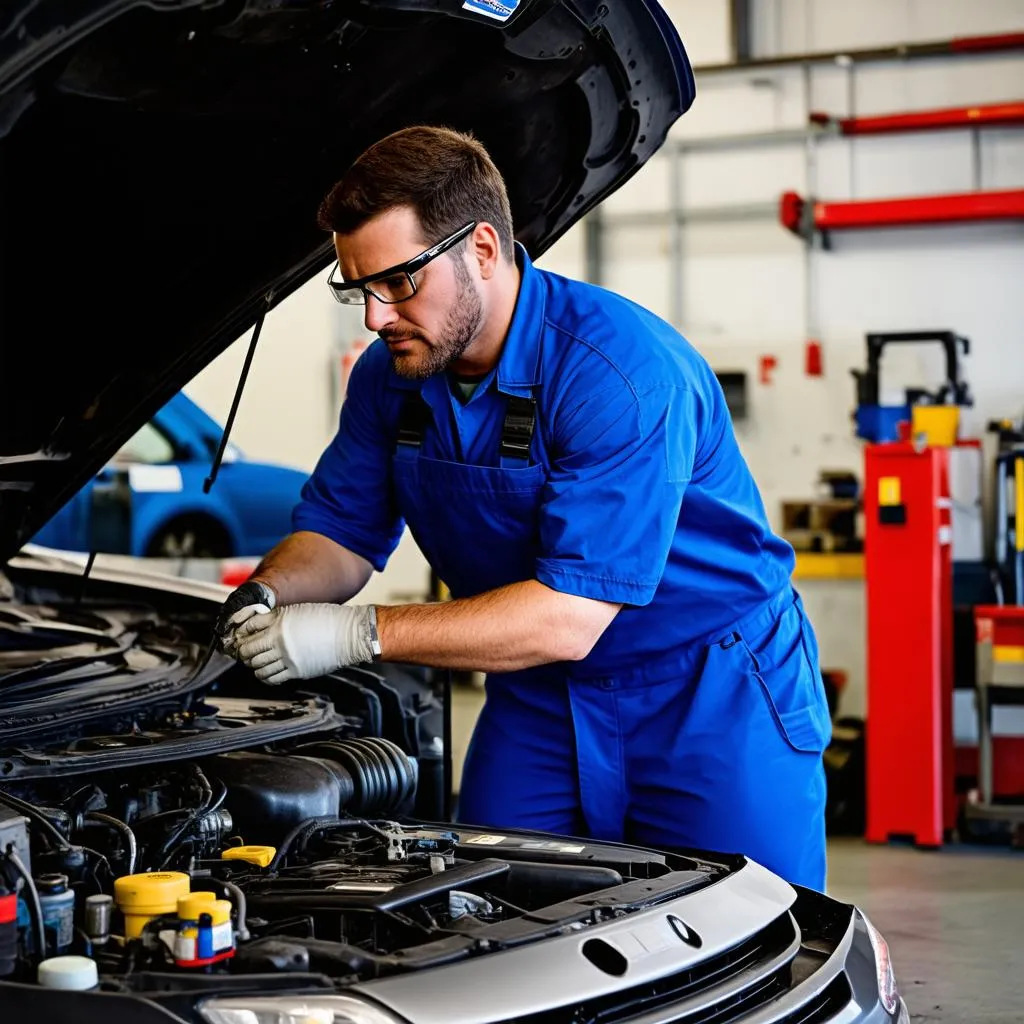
(699, 718)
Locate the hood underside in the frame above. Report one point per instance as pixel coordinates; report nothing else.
(161, 166)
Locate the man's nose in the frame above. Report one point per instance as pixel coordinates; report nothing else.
(378, 314)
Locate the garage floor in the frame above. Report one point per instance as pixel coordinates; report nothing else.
(954, 918)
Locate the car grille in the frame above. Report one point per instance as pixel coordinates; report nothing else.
(725, 988)
(824, 1007)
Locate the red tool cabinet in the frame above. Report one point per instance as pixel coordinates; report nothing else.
(908, 571)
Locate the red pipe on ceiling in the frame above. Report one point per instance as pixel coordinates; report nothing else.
(1003, 41)
(882, 213)
(899, 53)
(981, 116)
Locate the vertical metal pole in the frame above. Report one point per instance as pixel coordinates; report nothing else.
(676, 277)
(811, 185)
(1002, 525)
(976, 159)
(594, 240)
(985, 742)
(1018, 525)
(739, 20)
(851, 111)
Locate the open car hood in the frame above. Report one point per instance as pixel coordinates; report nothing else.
(161, 165)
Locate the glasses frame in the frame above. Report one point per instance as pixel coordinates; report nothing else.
(408, 268)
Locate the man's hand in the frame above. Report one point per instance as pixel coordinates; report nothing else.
(251, 598)
(304, 641)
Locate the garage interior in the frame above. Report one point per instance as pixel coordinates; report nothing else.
(837, 225)
(782, 310)
(843, 106)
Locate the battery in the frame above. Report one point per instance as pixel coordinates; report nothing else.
(14, 832)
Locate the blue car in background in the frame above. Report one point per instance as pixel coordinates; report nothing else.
(149, 501)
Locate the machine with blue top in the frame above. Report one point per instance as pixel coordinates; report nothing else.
(879, 423)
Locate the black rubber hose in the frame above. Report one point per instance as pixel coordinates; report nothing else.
(382, 784)
(164, 853)
(34, 905)
(118, 826)
(313, 825)
(397, 766)
(30, 812)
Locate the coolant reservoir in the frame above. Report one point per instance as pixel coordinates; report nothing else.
(142, 897)
(204, 934)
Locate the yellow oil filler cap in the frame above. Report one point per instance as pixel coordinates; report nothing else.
(142, 897)
(194, 904)
(261, 856)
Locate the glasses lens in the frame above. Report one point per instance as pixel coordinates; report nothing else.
(349, 296)
(392, 289)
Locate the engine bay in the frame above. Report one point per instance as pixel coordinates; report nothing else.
(162, 822)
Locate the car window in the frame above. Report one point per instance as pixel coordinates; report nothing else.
(148, 446)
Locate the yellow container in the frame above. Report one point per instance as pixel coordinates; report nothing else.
(142, 897)
(939, 424)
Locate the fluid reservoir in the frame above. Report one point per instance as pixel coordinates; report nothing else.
(75, 973)
(97, 918)
(142, 897)
(205, 934)
(57, 901)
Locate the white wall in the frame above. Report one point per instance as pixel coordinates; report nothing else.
(289, 410)
(748, 289)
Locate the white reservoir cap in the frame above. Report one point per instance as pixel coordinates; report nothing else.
(68, 972)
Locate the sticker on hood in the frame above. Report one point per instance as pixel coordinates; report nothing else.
(500, 10)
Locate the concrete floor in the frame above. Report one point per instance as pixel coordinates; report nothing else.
(954, 918)
(954, 921)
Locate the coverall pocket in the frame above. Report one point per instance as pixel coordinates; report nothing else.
(784, 666)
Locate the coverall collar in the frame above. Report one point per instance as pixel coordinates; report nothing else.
(519, 363)
(518, 369)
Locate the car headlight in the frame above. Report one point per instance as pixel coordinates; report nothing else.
(888, 991)
(294, 1010)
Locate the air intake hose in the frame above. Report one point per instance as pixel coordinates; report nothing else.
(383, 776)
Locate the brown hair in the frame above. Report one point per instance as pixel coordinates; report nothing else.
(446, 176)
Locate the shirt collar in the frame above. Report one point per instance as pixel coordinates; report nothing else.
(519, 364)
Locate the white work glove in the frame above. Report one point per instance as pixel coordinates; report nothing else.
(250, 599)
(304, 641)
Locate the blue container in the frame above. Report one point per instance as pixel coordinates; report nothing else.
(57, 901)
(879, 423)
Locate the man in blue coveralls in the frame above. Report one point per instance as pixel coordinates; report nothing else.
(567, 464)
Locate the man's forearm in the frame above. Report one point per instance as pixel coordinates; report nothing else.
(309, 567)
(505, 630)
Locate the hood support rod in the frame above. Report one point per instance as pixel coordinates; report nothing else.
(222, 447)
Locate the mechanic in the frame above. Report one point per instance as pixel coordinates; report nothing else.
(567, 464)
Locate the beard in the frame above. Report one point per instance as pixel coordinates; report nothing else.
(461, 327)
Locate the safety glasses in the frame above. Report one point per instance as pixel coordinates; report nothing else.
(397, 283)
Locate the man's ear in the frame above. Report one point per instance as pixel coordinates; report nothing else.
(485, 248)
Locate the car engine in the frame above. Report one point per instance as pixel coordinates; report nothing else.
(163, 821)
(298, 861)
